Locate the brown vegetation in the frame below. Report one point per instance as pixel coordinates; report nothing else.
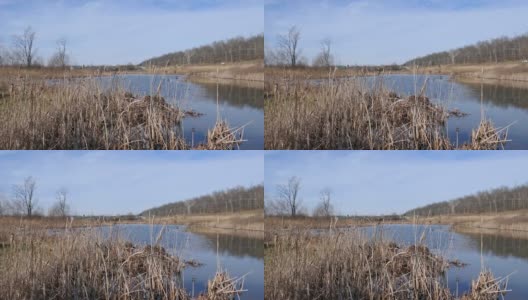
(345, 114)
(350, 265)
(81, 264)
(252, 220)
(81, 115)
(242, 71)
(506, 221)
(499, 73)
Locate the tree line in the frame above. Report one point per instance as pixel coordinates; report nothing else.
(496, 50)
(492, 201)
(229, 201)
(287, 201)
(232, 50)
(24, 52)
(24, 201)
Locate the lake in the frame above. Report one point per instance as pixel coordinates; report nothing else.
(237, 254)
(503, 104)
(502, 254)
(238, 103)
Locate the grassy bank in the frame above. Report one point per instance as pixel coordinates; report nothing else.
(346, 114)
(73, 264)
(289, 223)
(242, 71)
(349, 265)
(81, 114)
(505, 221)
(252, 221)
(508, 71)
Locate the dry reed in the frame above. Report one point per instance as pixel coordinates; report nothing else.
(344, 114)
(350, 265)
(84, 264)
(80, 114)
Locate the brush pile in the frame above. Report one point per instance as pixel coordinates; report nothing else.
(487, 287)
(223, 287)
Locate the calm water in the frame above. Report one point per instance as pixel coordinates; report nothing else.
(504, 105)
(238, 104)
(501, 254)
(237, 255)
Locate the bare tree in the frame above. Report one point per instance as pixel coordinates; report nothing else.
(325, 207)
(60, 58)
(60, 208)
(325, 57)
(288, 195)
(189, 204)
(25, 46)
(289, 45)
(24, 195)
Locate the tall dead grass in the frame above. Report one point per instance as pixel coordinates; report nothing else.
(345, 114)
(80, 114)
(83, 264)
(349, 265)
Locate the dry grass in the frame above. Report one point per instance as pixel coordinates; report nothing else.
(244, 71)
(243, 221)
(503, 221)
(82, 115)
(345, 114)
(81, 264)
(507, 71)
(349, 265)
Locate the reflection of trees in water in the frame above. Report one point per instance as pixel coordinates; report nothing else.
(234, 245)
(236, 95)
(503, 246)
(499, 95)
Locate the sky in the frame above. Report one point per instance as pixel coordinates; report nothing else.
(128, 31)
(122, 182)
(386, 182)
(371, 32)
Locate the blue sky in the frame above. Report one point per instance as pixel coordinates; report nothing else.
(123, 31)
(119, 182)
(393, 31)
(384, 182)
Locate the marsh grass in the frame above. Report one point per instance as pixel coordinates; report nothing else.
(81, 114)
(346, 114)
(350, 265)
(85, 264)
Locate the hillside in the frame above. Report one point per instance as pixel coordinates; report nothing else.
(229, 51)
(229, 201)
(492, 201)
(497, 50)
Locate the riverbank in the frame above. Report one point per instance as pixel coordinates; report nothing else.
(252, 71)
(500, 72)
(502, 221)
(245, 221)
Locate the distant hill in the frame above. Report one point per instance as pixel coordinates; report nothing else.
(233, 50)
(496, 200)
(229, 201)
(492, 51)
